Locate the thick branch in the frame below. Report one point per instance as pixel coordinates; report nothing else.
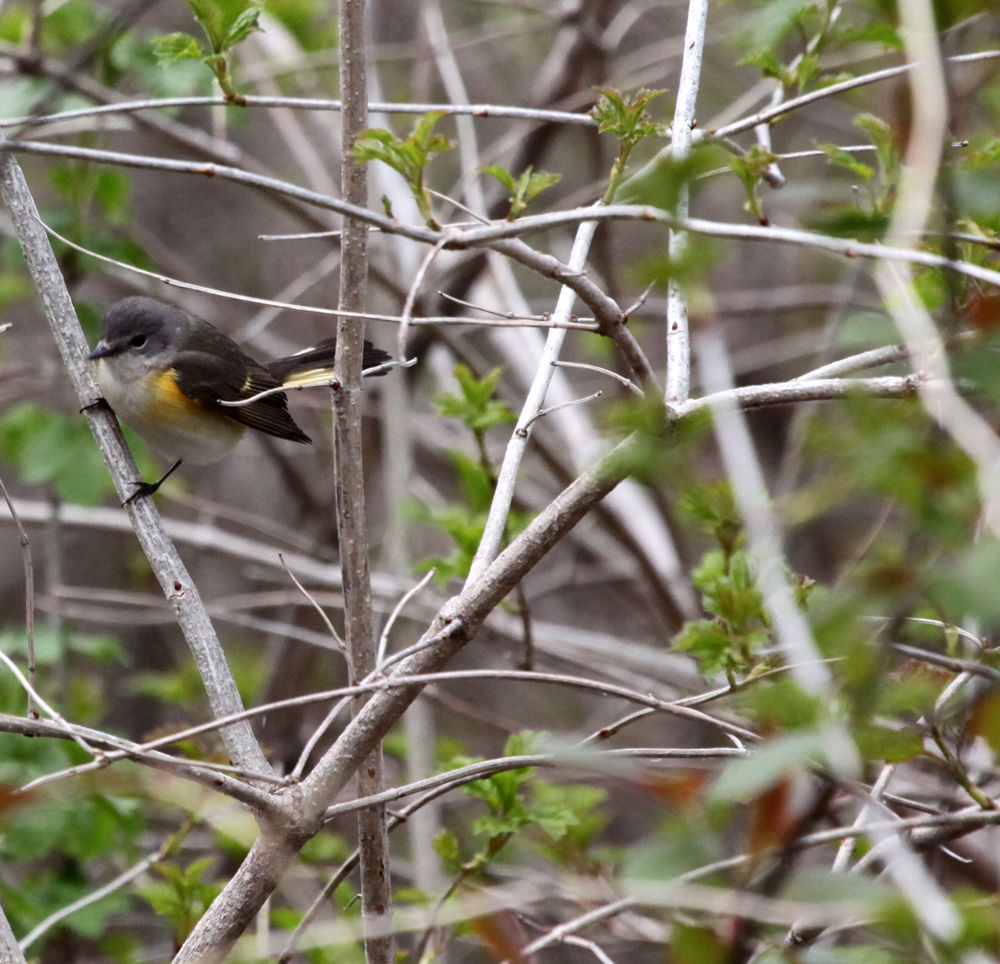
(373, 839)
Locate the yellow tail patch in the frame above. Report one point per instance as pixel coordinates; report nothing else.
(314, 376)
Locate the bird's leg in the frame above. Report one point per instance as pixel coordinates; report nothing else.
(148, 488)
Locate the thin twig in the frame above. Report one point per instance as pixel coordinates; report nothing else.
(628, 383)
(790, 106)
(555, 408)
(29, 597)
(596, 760)
(391, 621)
(857, 363)
(122, 880)
(411, 297)
(57, 717)
(341, 645)
(306, 103)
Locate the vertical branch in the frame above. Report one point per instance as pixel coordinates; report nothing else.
(170, 572)
(678, 337)
(373, 842)
(29, 597)
(929, 103)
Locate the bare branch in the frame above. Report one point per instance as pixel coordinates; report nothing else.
(29, 596)
(678, 382)
(373, 841)
(170, 571)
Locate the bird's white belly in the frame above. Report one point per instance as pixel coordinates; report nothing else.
(175, 427)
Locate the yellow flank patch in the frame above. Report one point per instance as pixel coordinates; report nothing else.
(169, 402)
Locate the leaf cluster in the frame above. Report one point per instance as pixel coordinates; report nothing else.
(225, 24)
(529, 185)
(517, 800)
(752, 168)
(880, 181)
(181, 896)
(408, 156)
(464, 522)
(626, 118)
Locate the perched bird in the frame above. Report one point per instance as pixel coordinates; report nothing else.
(165, 372)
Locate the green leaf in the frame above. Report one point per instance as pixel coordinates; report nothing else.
(579, 800)
(709, 642)
(498, 827)
(112, 192)
(175, 47)
(71, 23)
(181, 896)
(475, 404)
(476, 481)
(209, 13)
(751, 168)
(522, 190)
(769, 66)
(502, 175)
(748, 777)
(407, 157)
(713, 506)
(555, 821)
(51, 646)
(888, 744)
(783, 703)
(849, 222)
(446, 847)
(880, 133)
(875, 31)
(967, 586)
(888, 156)
(15, 22)
(985, 157)
(244, 25)
(696, 945)
(626, 117)
(774, 20)
(837, 155)
(807, 71)
(48, 447)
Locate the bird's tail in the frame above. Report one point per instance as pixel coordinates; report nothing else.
(314, 366)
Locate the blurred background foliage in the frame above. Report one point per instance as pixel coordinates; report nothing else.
(655, 591)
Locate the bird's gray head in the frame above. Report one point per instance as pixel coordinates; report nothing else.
(141, 329)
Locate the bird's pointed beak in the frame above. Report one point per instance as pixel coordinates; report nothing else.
(102, 350)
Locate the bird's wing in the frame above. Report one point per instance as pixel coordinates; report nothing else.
(231, 376)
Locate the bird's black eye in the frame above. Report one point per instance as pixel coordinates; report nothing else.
(137, 341)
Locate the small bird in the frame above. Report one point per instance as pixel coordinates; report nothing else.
(165, 372)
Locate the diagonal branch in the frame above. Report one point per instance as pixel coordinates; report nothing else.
(170, 572)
